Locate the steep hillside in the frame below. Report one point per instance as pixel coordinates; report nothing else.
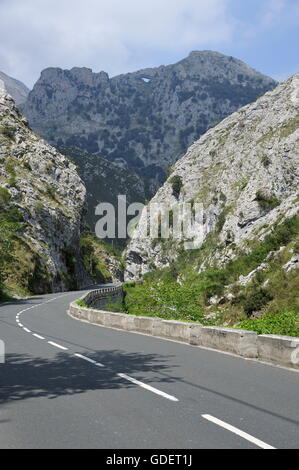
(143, 120)
(42, 200)
(104, 181)
(245, 172)
(14, 88)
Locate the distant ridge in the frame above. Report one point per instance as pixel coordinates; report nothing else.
(143, 120)
(16, 89)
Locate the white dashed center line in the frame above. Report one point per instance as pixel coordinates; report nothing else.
(237, 431)
(57, 345)
(148, 387)
(91, 361)
(38, 336)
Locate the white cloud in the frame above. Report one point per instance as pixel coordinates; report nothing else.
(111, 35)
(273, 11)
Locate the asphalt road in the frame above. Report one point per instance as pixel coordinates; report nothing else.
(68, 384)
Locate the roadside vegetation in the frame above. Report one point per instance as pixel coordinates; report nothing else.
(11, 223)
(96, 255)
(269, 303)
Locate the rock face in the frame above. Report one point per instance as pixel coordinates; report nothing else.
(145, 120)
(14, 88)
(44, 187)
(245, 172)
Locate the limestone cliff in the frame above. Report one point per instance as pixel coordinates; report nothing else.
(245, 173)
(42, 201)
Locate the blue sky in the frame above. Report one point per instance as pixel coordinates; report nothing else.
(120, 36)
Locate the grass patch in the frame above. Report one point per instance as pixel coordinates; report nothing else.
(82, 303)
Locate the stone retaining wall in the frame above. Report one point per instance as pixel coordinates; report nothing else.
(282, 350)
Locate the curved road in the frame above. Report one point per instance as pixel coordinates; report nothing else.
(69, 384)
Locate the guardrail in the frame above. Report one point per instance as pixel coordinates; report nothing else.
(275, 349)
(95, 297)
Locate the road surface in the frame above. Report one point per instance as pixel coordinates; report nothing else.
(69, 384)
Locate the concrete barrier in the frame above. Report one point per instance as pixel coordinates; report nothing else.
(282, 350)
(240, 342)
(146, 325)
(171, 329)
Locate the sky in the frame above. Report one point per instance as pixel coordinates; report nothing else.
(120, 36)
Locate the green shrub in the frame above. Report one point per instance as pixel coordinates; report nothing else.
(177, 184)
(265, 201)
(10, 167)
(4, 197)
(266, 161)
(115, 306)
(81, 303)
(51, 192)
(286, 323)
(27, 165)
(7, 131)
(255, 299)
(39, 207)
(93, 254)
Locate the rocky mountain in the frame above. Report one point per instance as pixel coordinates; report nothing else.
(14, 88)
(245, 173)
(42, 202)
(143, 121)
(104, 181)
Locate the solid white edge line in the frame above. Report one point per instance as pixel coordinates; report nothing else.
(148, 387)
(57, 345)
(38, 336)
(237, 431)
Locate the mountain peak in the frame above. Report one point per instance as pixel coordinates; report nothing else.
(13, 87)
(145, 119)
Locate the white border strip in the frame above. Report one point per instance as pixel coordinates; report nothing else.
(57, 345)
(237, 431)
(148, 387)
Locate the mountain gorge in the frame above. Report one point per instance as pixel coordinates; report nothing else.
(245, 173)
(143, 121)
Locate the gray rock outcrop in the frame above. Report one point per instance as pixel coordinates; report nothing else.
(44, 187)
(245, 172)
(16, 89)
